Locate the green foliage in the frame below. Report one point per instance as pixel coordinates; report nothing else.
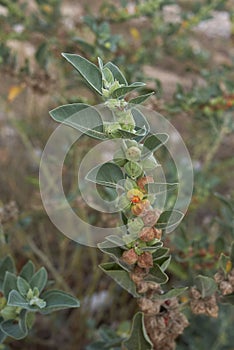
(138, 339)
(25, 294)
(120, 276)
(205, 285)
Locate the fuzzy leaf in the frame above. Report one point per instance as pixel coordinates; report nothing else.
(22, 286)
(140, 121)
(10, 282)
(87, 69)
(57, 299)
(138, 339)
(6, 264)
(16, 330)
(152, 143)
(168, 219)
(2, 336)
(120, 276)
(82, 117)
(171, 294)
(160, 252)
(27, 271)
(223, 263)
(118, 75)
(156, 275)
(15, 299)
(205, 285)
(163, 262)
(140, 99)
(115, 253)
(120, 92)
(159, 188)
(107, 174)
(39, 279)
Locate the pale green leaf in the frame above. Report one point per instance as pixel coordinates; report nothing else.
(138, 340)
(87, 69)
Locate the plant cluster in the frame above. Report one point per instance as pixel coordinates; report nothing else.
(140, 259)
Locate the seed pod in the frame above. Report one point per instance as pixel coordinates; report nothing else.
(147, 234)
(130, 256)
(145, 260)
(133, 169)
(151, 217)
(133, 153)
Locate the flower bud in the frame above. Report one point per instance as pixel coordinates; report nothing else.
(151, 217)
(133, 193)
(147, 234)
(130, 256)
(133, 169)
(133, 153)
(112, 129)
(140, 208)
(145, 260)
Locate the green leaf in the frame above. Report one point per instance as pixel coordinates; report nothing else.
(120, 276)
(116, 240)
(205, 285)
(140, 121)
(27, 271)
(223, 261)
(159, 188)
(15, 299)
(107, 75)
(16, 330)
(87, 69)
(132, 135)
(156, 275)
(2, 337)
(114, 252)
(168, 219)
(163, 262)
(138, 339)
(107, 174)
(82, 117)
(9, 283)
(120, 92)
(152, 143)
(39, 279)
(118, 75)
(160, 252)
(139, 99)
(6, 264)
(23, 286)
(57, 299)
(171, 294)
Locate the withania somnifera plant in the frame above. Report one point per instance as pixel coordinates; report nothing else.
(26, 293)
(139, 257)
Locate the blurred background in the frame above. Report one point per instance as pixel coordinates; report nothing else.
(184, 51)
